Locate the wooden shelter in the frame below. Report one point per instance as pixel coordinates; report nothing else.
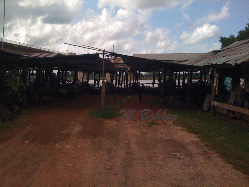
(230, 80)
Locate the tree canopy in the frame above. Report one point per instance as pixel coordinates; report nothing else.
(242, 35)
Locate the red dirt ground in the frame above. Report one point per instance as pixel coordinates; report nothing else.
(58, 144)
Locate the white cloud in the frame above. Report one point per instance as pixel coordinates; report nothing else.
(186, 16)
(155, 36)
(214, 17)
(173, 47)
(105, 29)
(52, 11)
(145, 4)
(207, 31)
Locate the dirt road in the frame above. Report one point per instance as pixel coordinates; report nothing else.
(60, 145)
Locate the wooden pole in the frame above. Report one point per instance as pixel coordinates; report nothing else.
(103, 83)
(179, 79)
(122, 78)
(116, 76)
(188, 87)
(99, 80)
(205, 74)
(94, 83)
(213, 109)
(126, 79)
(183, 77)
(201, 74)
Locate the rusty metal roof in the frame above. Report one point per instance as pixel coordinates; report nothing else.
(176, 57)
(40, 55)
(235, 53)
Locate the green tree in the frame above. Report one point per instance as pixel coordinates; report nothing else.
(11, 88)
(242, 35)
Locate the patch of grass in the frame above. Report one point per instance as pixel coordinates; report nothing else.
(229, 139)
(153, 123)
(6, 116)
(4, 127)
(123, 100)
(157, 102)
(107, 113)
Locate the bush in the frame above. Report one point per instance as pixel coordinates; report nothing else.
(11, 89)
(107, 113)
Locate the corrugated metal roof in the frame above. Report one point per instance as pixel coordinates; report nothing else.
(235, 53)
(40, 55)
(169, 56)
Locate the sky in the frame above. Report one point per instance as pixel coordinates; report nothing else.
(132, 26)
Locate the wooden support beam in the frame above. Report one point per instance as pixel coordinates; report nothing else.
(230, 107)
(99, 80)
(75, 79)
(201, 74)
(183, 77)
(154, 77)
(191, 76)
(94, 82)
(213, 109)
(126, 73)
(179, 79)
(138, 77)
(116, 76)
(122, 79)
(159, 77)
(119, 77)
(88, 77)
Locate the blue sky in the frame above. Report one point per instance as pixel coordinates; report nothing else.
(133, 26)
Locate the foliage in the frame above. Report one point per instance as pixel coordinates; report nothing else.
(242, 35)
(153, 123)
(229, 139)
(11, 88)
(107, 113)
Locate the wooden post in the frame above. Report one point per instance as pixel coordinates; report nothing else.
(175, 78)
(159, 77)
(75, 79)
(88, 77)
(129, 74)
(121, 79)
(205, 74)
(99, 80)
(103, 95)
(183, 77)
(138, 77)
(126, 79)
(213, 108)
(116, 77)
(133, 77)
(201, 74)
(94, 83)
(164, 86)
(188, 87)
(103, 83)
(179, 80)
(154, 74)
(191, 76)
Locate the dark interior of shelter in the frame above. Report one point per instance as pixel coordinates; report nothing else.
(189, 80)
